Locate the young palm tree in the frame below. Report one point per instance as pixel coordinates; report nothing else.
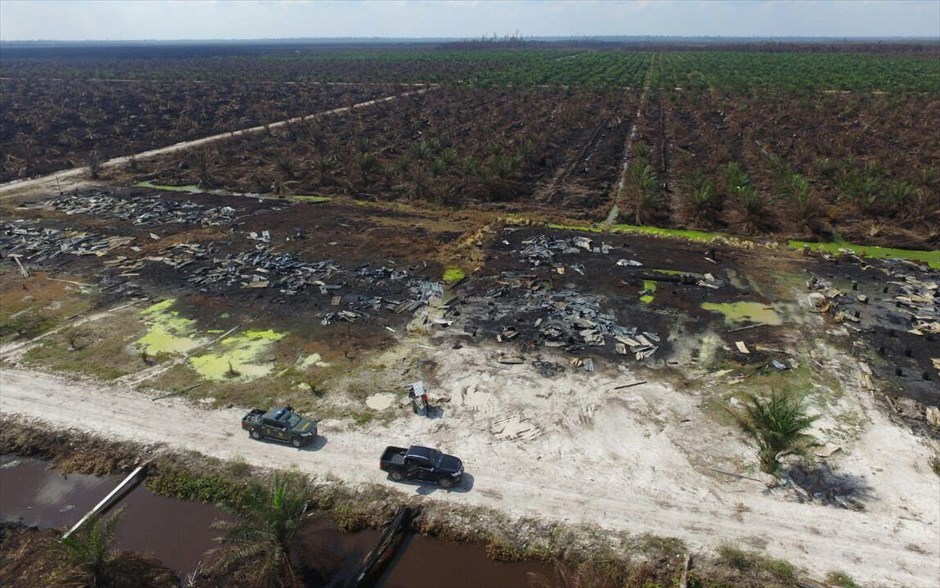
(258, 542)
(777, 428)
(89, 550)
(642, 191)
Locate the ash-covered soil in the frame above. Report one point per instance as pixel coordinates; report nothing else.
(661, 303)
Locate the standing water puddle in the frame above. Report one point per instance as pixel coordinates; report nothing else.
(176, 532)
(180, 533)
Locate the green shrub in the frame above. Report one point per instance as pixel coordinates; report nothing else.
(185, 486)
(840, 578)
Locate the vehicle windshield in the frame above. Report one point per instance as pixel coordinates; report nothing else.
(435, 457)
(293, 420)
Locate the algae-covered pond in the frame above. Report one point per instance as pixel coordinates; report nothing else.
(167, 331)
(739, 312)
(239, 356)
(932, 258)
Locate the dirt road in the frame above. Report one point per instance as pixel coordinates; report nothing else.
(621, 463)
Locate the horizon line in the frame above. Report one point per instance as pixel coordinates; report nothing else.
(484, 37)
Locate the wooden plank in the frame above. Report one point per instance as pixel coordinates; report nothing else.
(112, 498)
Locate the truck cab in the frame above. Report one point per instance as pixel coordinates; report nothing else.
(280, 424)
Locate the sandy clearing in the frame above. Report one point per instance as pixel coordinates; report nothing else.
(541, 447)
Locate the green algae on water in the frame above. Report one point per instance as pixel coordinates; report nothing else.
(308, 198)
(167, 332)
(452, 275)
(739, 312)
(691, 235)
(667, 272)
(649, 286)
(237, 357)
(932, 258)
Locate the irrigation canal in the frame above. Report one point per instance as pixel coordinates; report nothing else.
(180, 533)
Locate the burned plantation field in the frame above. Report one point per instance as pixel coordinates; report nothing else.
(356, 65)
(359, 274)
(519, 148)
(600, 261)
(859, 166)
(48, 125)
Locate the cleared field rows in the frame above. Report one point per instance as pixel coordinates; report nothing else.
(47, 126)
(453, 146)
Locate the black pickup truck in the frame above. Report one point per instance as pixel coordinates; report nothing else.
(280, 424)
(421, 463)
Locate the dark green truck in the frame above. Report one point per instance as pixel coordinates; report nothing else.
(280, 424)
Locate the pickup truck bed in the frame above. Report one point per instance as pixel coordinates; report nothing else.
(393, 455)
(421, 464)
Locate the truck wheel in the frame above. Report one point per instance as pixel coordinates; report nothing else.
(255, 434)
(446, 483)
(397, 476)
(297, 442)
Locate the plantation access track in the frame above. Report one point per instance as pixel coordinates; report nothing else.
(875, 545)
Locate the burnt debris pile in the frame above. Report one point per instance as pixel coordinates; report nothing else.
(27, 241)
(525, 310)
(890, 306)
(354, 293)
(143, 210)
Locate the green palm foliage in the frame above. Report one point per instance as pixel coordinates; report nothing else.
(258, 542)
(89, 550)
(777, 427)
(642, 191)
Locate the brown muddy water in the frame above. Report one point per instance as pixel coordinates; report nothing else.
(180, 533)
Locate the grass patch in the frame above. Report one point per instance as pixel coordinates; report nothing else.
(931, 258)
(755, 565)
(841, 579)
(177, 483)
(308, 198)
(688, 234)
(36, 304)
(452, 275)
(26, 324)
(55, 356)
(737, 312)
(667, 272)
(649, 287)
(102, 349)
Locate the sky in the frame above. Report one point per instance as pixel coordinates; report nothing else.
(123, 20)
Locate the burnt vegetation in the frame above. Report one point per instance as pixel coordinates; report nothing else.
(816, 141)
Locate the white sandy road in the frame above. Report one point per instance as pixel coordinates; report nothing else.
(620, 464)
